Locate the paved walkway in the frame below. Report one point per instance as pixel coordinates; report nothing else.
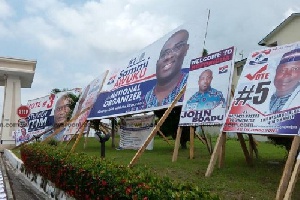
(5, 190)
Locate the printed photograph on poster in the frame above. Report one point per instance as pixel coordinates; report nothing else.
(208, 87)
(21, 135)
(152, 78)
(266, 100)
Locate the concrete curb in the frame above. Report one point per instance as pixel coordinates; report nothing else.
(9, 193)
(41, 185)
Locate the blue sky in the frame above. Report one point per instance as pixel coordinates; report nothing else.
(73, 41)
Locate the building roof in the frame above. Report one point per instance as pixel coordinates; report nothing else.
(24, 69)
(278, 28)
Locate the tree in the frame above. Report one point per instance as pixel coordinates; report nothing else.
(204, 52)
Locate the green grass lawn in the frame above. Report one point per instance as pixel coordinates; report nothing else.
(236, 180)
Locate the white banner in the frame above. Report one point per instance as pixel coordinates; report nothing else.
(208, 89)
(21, 135)
(267, 96)
(135, 130)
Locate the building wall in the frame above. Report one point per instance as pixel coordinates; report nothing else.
(287, 34)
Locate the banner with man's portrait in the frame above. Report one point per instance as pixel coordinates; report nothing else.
(83, 106)
(40, 114)
(61, 112)
(266, 99)
(21, 135)
(49, 112)
(151, 79)
(208, 89)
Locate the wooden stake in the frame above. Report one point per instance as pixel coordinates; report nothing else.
(192, 136)
(291, 186)
(206, 141)
(245, 150)
(288, 168)
(86, 135)
(113, 133)
(201, 139)
(215, 154)
(73, 136)
(78, 138)
(252, 146)
(166, 139)
(222, 152)
(209, 145)
(177, 143)
(156, 128)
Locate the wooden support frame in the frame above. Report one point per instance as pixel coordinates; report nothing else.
(222, 152)
(73, 135)
(219, 152)
(294, 177)
(156, 128)
(177, 142)
(166, 139)
(113, 132)
(249, 160)
(252, 146)
(78, 138)
(192, 142)
(216, 153)
(86, 134)
(283, 185)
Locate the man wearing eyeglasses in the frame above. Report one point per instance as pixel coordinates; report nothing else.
(170, 78)
(287, 82)
(61, 114)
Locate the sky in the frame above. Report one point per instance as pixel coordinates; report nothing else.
(74, 41)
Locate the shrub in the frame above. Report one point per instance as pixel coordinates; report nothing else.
(86, 177)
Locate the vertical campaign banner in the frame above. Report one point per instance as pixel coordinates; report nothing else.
(267, 96)
(62, 111)
(208, 89)
(40, 114)
(86, 100)
(135, 130)
(21, 135)
(151, 78)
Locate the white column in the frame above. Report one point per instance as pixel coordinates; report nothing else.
(12, 100)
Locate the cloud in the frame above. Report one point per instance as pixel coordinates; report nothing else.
(5, 10)
(74, 41)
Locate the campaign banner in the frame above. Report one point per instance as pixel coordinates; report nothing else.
(208, 89)
(86, 100)
(150, 79)
(135, 130)
(266, 100)
(21, 135)
(61, 112)
(40, 114)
